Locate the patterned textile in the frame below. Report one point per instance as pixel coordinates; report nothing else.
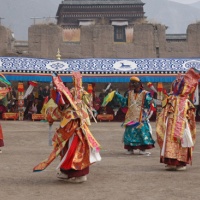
(4, 80)
(1, 137)
(73, 140)
(136, 137)
(171, 125)
(178, 112)
(137, 133)
(3, 92)
(60, 87)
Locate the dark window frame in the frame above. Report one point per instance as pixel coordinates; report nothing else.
(120, 33)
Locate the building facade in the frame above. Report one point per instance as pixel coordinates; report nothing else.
(121, 14)
(102, 29)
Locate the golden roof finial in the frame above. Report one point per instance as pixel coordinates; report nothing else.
(58, 56)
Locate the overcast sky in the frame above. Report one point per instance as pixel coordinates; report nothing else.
(186, 1)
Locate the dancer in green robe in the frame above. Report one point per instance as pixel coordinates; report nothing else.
(138, 132)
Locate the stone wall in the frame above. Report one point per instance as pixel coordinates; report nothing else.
(44, 40)
(6, 41)
(97, 41)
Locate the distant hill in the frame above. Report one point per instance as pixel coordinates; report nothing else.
(174, 15)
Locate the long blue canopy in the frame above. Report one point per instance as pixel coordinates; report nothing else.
(96, 69)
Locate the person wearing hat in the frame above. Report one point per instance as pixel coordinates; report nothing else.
(73, 141)
(176, 125)
(137, 135)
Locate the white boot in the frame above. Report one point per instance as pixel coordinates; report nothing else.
(80, 179)
(144, 153)
(62, 176)
(129, 152)
(181, 168)
(170, 167)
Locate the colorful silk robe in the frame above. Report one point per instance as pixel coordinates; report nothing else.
(1, 137)
(176, 126)
(3, 92)
(73, 140)
(170, 128)
(137, 133)
(70, 128)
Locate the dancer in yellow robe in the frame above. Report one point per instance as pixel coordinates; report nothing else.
(176, 126)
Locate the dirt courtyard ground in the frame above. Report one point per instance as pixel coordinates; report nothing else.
(116, 177)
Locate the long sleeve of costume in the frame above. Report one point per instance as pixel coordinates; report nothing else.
(1, 137)
(87, 99)
(148, 102)
(51, 111)
(53, 114)
(88, 105)
(120, 100)
(191, 120)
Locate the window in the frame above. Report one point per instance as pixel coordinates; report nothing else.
(157, 52)
(119, 34)
(86, 22)
(71, 34)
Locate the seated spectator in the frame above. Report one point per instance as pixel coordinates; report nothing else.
(33, 108)
(14, 106)
(3, 109)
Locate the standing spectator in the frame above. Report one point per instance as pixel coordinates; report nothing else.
(46, 92)
(102, 95)
(12, 97)
(40, 94)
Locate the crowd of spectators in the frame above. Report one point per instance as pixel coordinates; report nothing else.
(32, 103)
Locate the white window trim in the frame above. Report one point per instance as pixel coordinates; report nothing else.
(120, 23)
(86, 23)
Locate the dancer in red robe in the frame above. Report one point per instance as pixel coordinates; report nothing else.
(73, 141)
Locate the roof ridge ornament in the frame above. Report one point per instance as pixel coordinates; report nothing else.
(58, 56)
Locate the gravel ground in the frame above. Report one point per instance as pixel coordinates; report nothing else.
(116, 177)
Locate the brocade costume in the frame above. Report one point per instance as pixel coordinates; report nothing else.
(3, 92)
(176, 126)
(1, 137)
(73, 140)
(138, 134)
(139, 103)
